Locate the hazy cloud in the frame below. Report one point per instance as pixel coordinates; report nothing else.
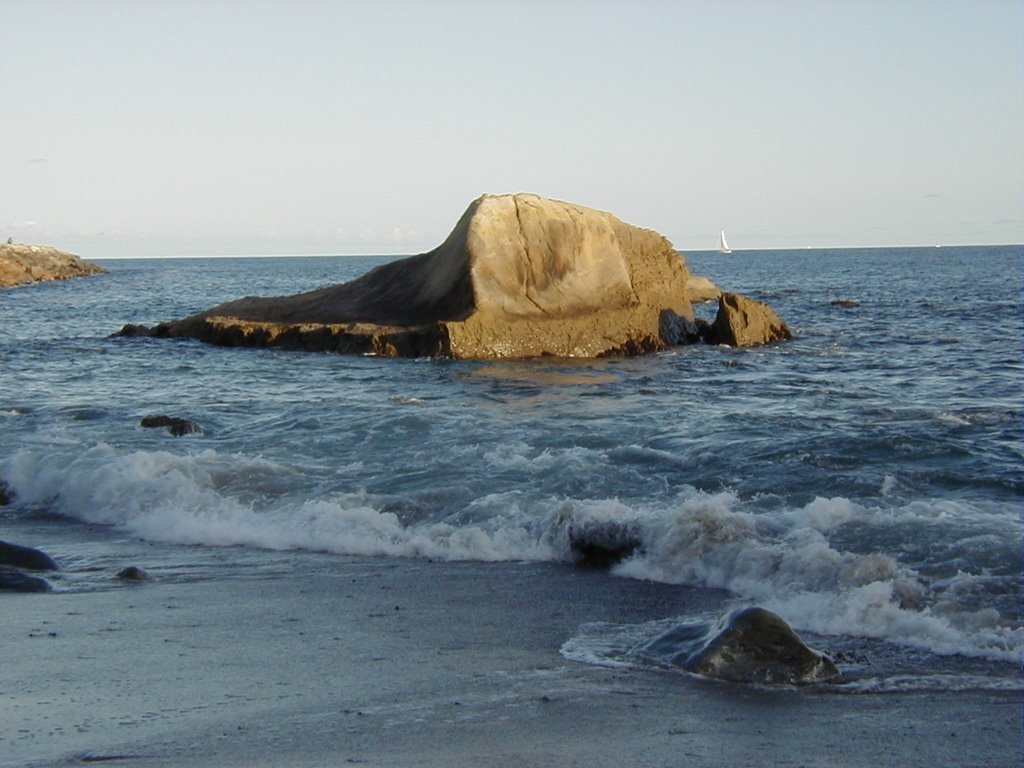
(399, 235)
(36, 161)
(396, 235)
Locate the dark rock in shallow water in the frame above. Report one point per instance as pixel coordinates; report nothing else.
(175, 426)
(14, 557)
(845, 303)
(133, 573)
(15, 581)
(676, 330)
(602, 545)
(750, 645)
(131, 329)
(17, 556)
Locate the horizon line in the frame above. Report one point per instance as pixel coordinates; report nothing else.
(678, 250)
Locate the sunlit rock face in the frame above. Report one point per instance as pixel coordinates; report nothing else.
(23, 264)
(743, 322)
(519, 276)
(700, 289)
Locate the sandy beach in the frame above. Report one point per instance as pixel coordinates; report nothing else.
(414, 663)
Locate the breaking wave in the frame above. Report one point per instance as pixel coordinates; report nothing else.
(831, 566)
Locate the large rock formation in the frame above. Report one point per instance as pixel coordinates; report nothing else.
(22, 264)
(519, 276)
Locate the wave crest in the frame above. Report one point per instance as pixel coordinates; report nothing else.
(791, 561)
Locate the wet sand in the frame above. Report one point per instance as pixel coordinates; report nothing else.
(409, 663)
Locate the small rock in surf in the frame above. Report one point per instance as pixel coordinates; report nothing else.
(750, 645)
(175, 426)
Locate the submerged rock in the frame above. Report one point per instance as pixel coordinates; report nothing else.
(743, 322)
(750, 645)
(519, 276)
(23, 264)
(602, 545)
(175, 425)
(17, 556)
(133, 573)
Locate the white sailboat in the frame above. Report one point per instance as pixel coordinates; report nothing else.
(723, 245)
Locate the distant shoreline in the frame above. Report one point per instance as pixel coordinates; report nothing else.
(24, 264)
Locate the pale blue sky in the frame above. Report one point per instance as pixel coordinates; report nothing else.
(201, 128)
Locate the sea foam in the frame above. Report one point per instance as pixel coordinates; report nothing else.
(786, 560)
(194, 499)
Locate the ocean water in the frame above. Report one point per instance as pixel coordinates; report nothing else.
(864, 481)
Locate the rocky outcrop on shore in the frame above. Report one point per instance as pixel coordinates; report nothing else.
(743, 322)
(519, 276)
(23, 264)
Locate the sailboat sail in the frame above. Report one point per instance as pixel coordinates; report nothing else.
(723, 245)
